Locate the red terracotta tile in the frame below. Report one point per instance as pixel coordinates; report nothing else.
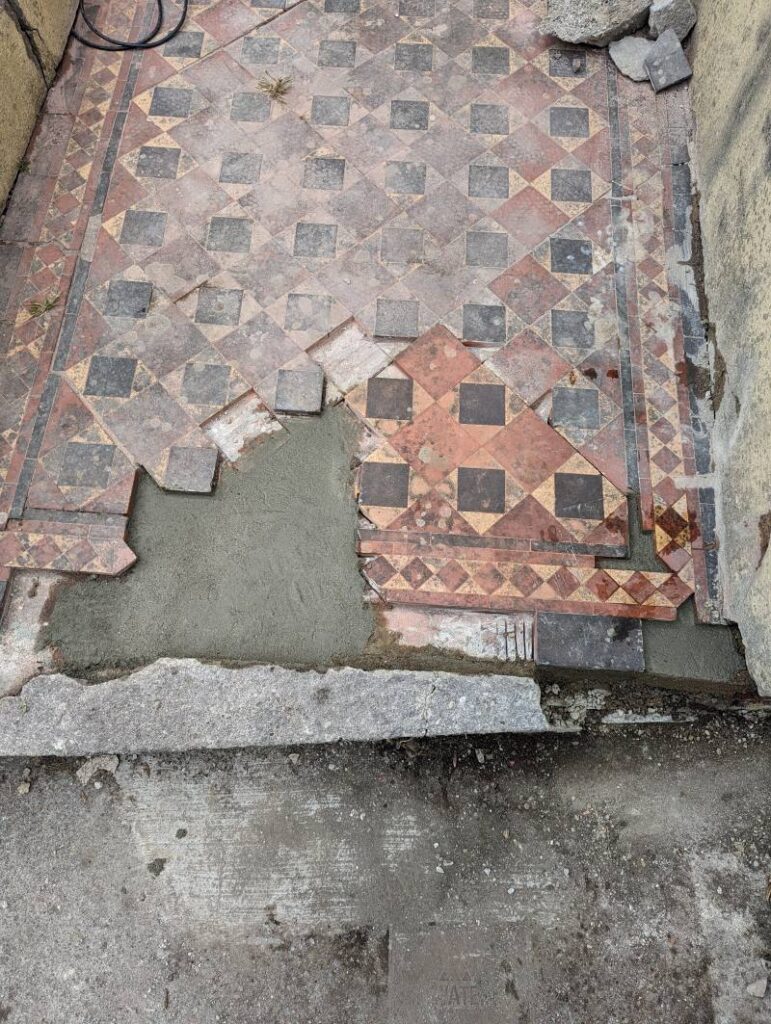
(437, 361)
(528, 289)
(529, 217)
(529, 449)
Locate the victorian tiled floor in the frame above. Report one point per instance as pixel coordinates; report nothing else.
(469, 226)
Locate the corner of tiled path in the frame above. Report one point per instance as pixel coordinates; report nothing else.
(480, 234)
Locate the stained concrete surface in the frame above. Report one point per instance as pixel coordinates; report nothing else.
(262, 570)
(619, 876)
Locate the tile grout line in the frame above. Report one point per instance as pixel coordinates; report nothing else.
(622, 306)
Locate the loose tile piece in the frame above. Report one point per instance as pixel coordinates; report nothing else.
(589, 642)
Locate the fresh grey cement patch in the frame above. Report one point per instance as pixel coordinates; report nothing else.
(263, 570)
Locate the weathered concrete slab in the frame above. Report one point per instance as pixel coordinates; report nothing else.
(333, 884)
(178, 705)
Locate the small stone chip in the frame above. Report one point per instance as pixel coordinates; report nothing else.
(300, 391)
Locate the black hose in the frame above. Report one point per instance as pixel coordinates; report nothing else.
(146, 42)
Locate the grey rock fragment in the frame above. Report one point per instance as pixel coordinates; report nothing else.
(679, 15)
(758, 988)
(667, 64)
(594, 21)
(629, 55)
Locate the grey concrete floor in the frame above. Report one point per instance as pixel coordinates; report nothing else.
(617, 876)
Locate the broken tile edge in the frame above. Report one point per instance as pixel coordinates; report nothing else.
(177, 705)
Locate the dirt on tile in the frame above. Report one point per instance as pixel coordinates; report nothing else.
(263, 570)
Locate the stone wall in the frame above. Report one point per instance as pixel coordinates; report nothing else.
(33, 34)
(731, 88)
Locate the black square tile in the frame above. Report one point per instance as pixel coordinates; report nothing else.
(384, 483)
(578, 496)
(571, 328)
(590, 642)
(481, 490)
(389, 398)
(571, 186)
(157, 162)
(143, 227)
(488, 182)
(128, 298)
(168, 102)
(250, 106)
(330, 110)
(300, 391)
(490, 60)
(414, 57)
(307, 312)
(409, 115)
(240, 168)
(497, 10)
(342, 6)
(337, 53)
(417, 8)
(184, 44)
(190, 469)
(484, 323)
(487, 249)
(261, 50)
(405, 178)
(483, 404)
(401, 245)
(276, 5)
(571, 256)
(575, 407)
(86, 465)
(205, 384)
(110, 376)
(567, 63)
(219, 306)
(396, 318)
(569, 122)
(229, 234)
(324, 172)
(489, 119)
(315, 240)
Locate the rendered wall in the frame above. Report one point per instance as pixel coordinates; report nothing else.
(731, 92)
(33, 34)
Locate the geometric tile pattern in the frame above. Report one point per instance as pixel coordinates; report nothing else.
(440, 172)
(474, 501)
(476, 460)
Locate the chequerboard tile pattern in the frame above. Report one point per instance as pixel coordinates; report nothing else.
(432, 168)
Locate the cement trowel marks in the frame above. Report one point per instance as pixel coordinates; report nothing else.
(263, 570)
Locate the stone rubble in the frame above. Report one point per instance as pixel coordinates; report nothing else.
(667, 64)
(657, 57)
(679, 15)
(629, 55)
(593, 22)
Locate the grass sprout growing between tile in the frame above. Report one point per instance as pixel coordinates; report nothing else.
(39, 308)
(276, 88)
